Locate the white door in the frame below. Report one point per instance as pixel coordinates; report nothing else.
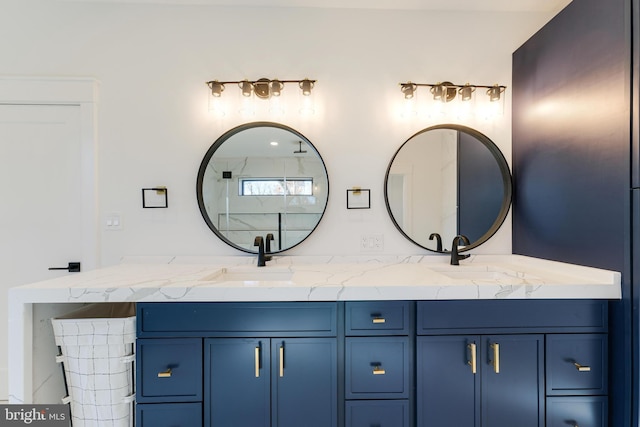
(40, 199)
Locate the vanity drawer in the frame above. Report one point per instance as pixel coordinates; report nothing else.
(508, 316)
(582, 411)
(378, 413)
(168, 415)
(377, 367)
(576, 364)
(169, 370)
(378, 318)
(237, 319)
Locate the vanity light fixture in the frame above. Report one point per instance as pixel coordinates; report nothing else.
(447, 91)
(261, 88)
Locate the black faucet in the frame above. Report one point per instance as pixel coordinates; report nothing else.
(438, 241)
(267, 246)
(259, 242)
(455, 257)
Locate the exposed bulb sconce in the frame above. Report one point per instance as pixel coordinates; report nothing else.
(408, 89)
(494, 92)
(444, 91)
(466, 92)
(216, 89)
(447, 91)
(261, 88)
(306, 86)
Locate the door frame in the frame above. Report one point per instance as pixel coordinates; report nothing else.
(81, 92)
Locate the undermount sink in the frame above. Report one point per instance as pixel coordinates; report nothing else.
(478, 273)
(249, 275)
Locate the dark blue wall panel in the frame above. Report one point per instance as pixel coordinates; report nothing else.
(571, 137)
(572, 122)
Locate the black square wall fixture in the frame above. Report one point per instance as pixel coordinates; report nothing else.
(358, 199)
(155, 198)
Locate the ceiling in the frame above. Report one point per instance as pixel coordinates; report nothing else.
(469, 5)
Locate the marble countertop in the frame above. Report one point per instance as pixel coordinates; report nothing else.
(318, 278)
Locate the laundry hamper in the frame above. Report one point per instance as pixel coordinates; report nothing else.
(96, 348)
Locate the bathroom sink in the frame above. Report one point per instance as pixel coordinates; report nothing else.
(249, 275)
(478, 273)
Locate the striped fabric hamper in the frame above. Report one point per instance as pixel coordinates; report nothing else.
(96, 348)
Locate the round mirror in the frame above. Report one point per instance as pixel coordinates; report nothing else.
(448, 180)
(262, 179)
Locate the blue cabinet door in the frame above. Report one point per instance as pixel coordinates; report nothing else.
(512, 381)
(304, 382)
(237, 382)
(505, 390)
(447, 387)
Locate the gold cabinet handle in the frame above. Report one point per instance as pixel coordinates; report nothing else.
(282, 361)
(377, 370)
(378, 320)
(496, 357)
(582, 368)
(165, 374)
(257, 361)
(474, 358)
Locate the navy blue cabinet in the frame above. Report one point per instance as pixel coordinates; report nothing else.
(169, 415)
(501, 363)
(284, 382)
(238, 364)
(480, 380)
(169, 370)
(377, 367)
(378, 363)
(377, 413)
(579, 411)
(238, 382)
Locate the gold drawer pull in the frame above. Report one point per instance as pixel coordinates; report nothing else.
(496, 357)
(474, 359)
(281, 361)
(377, 370)
(257, 361)
(165, 374)
(582, 368)
(378, 320)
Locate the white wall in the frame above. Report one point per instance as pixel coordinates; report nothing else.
(154, 126)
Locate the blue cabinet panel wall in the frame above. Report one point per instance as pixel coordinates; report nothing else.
(571, 137)
(574, 114)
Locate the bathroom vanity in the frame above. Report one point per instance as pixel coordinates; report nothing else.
(350, 341)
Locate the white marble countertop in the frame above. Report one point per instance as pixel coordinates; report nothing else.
(317, 278)
(285, 278)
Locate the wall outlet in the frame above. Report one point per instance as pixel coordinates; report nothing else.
(371, 243)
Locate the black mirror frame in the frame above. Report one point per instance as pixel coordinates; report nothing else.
(504, 171)
(209, 154)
